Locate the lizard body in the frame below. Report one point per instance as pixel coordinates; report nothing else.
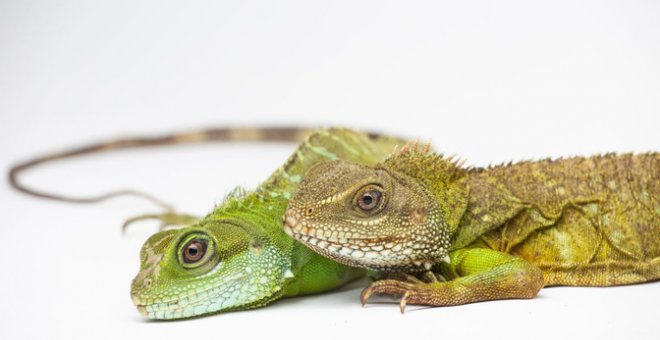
(493, 233)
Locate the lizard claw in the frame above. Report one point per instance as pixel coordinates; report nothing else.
(391, 286)
(364, 296)
(429, 289)
(404, 301)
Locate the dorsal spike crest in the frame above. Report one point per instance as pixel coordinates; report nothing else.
(443, 177)
(427, 146)
(237, 193)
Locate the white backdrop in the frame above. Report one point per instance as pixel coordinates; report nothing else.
(491, 81)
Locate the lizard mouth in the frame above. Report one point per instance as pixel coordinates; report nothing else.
(375, 253)
(314, 238)
(174, 308)
(302, 230)
(357, 250)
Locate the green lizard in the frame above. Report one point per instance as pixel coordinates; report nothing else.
(480, 234)
(237, 257)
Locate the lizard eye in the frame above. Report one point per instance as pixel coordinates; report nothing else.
(369, 200)
(194, 250)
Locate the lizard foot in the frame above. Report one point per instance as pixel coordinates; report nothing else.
(501, 276)
(421, 290)
(168, 220)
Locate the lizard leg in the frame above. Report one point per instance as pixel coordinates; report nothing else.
(168, 220)
(425, 277)
(477, 275)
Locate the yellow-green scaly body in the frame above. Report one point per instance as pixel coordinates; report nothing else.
(585, 221)
(491, 233)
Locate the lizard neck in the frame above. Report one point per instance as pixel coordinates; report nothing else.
(313, 273)
(442, 177)
(489, 205)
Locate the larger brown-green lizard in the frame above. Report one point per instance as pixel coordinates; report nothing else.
(490, 233)
(237, 257)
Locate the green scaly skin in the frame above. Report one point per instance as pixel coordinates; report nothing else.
(241, 258)
(495, 233)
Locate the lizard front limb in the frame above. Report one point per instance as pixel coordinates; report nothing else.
(474, 275)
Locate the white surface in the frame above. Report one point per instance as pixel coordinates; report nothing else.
(491, 81)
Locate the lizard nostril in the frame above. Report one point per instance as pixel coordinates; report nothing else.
(310, 211)
(147, 282)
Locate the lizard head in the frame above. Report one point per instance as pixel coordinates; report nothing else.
(212, 266)
(370, 217)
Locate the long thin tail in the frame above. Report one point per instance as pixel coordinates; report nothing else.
(229, 134)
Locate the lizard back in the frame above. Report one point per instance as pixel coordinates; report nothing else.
(584, 220)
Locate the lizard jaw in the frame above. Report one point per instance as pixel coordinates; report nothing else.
(372, 253)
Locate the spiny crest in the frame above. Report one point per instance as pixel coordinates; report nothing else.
(237, 198)
(420, 162)
(237, 192)
(415, 146)
(444, 177)
(550, 160)
(546, 160)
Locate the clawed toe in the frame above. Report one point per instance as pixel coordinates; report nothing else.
(404, 301)
(392, 287)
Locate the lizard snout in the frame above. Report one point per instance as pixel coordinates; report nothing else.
(291, 218)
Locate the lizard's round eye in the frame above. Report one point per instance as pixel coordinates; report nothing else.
(194, 250)
(369, 200)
